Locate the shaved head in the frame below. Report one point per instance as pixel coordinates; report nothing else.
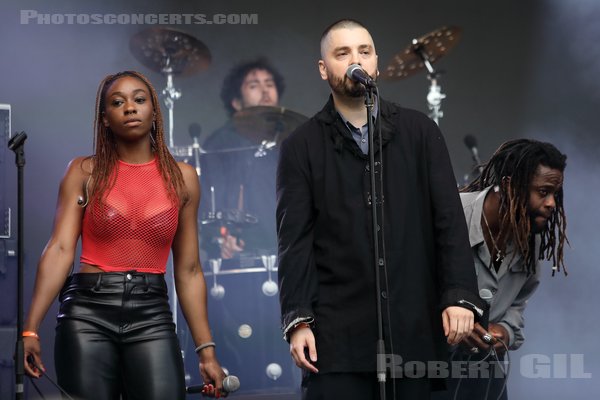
(341, 24)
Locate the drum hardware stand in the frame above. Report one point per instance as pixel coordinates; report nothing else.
(435, 95)
(217, 291)
(171, 94)
(195, 130)
(422, 53)
(213, 207)
(264, 146)
(269, 287)
(269, 144)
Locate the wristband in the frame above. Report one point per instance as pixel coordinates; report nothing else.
(205, 345)
(31, 334)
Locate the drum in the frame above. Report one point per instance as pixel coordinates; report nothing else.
(244, 315)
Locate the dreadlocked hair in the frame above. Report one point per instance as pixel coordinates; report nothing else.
(519, 160)
(105, 156)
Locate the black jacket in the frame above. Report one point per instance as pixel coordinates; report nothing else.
(325, 247)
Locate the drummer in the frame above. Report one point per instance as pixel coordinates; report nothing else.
(242, 180)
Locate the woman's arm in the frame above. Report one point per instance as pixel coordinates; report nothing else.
(189, 280)
(57, 258)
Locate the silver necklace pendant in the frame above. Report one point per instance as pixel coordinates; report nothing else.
(499, 256)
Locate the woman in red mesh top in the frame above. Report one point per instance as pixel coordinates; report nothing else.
(131, 203)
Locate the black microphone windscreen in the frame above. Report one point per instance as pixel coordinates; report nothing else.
(195, 129)
(351, 69)
(470, 141)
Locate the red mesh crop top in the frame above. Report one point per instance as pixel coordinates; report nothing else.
(133, 228)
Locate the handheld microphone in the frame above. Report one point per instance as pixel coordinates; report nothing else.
(356, 73)
(231, 383)
(471, 143)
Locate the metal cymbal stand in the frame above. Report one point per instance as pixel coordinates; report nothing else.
(171, 94)
(435, 95)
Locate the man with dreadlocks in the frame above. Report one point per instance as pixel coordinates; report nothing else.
(514, 211)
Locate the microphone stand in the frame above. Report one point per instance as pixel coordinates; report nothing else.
(17, 144)
(378, 261)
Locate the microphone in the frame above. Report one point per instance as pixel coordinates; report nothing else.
(231, 383)
(194, 129)
(356, 73)
(471, 143)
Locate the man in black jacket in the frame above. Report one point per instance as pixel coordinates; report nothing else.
(326, 267)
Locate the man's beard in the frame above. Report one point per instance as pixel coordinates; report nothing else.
(537, 227)
(344, 86)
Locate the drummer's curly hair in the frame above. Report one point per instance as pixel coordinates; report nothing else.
(232, 84)
(105, 151)
(519, 160)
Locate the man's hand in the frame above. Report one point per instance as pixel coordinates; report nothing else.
(475, 339)
(458, 323)
(230, 246)
(499, 333)
(474, 343)
(303, 338)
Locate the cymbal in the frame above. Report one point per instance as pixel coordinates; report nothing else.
(166, 51)
(265, 123)
(431, 46)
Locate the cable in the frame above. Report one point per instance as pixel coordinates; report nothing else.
(31, 360)
(507, 371)
(491, 354)
(36, 388)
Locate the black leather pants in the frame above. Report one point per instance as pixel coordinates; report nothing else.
(115, 335)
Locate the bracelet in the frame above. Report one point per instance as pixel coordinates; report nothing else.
(205, 345)
(301, 325)
(31, 334)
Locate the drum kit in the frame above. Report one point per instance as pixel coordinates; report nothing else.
(173, 53)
